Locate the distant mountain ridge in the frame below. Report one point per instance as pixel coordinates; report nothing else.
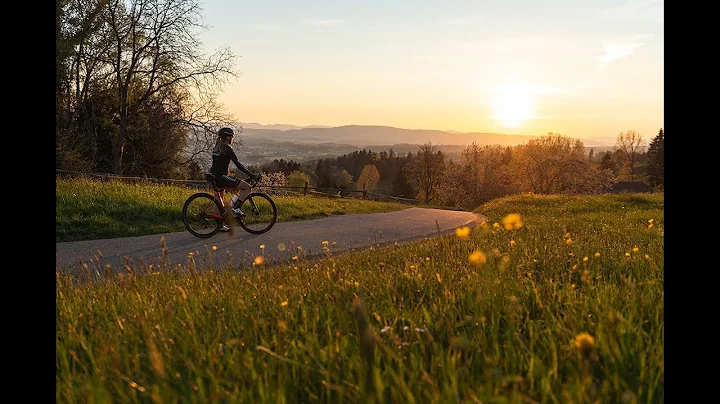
(364, 135)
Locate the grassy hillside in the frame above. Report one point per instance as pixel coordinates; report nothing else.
(557, 299)
(87, 209)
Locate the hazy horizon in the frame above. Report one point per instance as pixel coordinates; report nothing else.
(584, 70)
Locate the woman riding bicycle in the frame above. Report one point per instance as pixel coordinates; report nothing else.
(222, 155)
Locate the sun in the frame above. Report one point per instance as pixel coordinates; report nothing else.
(513, 104)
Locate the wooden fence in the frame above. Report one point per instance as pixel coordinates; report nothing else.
(275, 189)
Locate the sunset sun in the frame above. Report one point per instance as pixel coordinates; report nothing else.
(513, 104)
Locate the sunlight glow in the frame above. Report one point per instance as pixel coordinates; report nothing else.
(513, 104)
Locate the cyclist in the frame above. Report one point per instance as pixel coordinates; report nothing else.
(222, 155)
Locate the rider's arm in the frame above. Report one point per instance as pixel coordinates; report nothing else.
(238, 164)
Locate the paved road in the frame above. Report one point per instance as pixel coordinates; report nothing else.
(343, 233)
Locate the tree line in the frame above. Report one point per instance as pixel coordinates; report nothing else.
(550, 164)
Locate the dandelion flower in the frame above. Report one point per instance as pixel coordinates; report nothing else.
(512, 242)
(635, 249)
(585, 259)
(462, 232)
(325, 243)
(585, 343)
(627, 254)
(512, 221)
(262, 246)
(651, 221)
(259, 260)
(477, 257)
(597, 254)
(283, 304)
(647, 257)
(650, 226)
(568, 241)
(214, 248)
(190, 254)
(496, 225)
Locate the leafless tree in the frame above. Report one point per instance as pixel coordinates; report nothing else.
(631, 143)
(150, 47)
(546, 165)
(425, 170)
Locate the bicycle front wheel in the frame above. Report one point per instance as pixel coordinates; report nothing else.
(202, 215)
(260, 213)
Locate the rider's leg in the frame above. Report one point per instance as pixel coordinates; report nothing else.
(243, 190)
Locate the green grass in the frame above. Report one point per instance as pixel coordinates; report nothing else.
(418, 322)
(88, 209)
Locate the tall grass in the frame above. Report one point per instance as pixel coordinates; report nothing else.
(88, 209)
(557, 299)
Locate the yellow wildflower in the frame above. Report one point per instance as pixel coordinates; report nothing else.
(597, 254)
(651, 220)
(262, 246)
(477, 257)
(283, 304)
(585, 259)
(512, 242)
(635, 249)
(568, 241)
(585, 343)
(214, 248)
(259, 260)
(627, 254)
(512, 221)
(462, 232)
(325, 243)
(496, 225)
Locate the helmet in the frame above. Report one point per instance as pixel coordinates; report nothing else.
(224, 132)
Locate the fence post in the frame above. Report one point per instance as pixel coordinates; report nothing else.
(306, 186)
(364, 191)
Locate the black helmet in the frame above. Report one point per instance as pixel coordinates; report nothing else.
(224, 132)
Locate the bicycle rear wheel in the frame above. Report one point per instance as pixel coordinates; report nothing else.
(260, 211)
(202, 215)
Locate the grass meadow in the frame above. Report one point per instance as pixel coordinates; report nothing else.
(88, 209)
(556, 299)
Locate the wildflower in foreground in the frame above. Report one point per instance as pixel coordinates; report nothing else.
(636, 249)
(585, 344)
(214, 248)
(512, 221)
(477, 257)
(597, 254)
(462, 232)
(283, 304)
(259, 260)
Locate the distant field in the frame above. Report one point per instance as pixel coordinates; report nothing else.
(559, 299)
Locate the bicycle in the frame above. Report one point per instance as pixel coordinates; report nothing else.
(204, 214)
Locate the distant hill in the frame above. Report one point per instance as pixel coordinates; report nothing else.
(365, 135)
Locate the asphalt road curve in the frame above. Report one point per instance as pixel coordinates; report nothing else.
(285, 240)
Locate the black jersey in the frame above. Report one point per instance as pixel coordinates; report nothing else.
(221, 162)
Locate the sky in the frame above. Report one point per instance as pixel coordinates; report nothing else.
(584, 69)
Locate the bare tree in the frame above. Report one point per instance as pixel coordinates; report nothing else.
(154, 48)
(547, 164)
(426, 170)
(631, 143)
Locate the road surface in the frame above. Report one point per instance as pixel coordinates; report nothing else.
(285, 240)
